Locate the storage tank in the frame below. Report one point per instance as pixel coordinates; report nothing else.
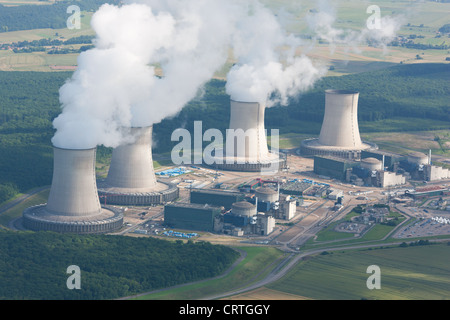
(243, 208)
(73, 204)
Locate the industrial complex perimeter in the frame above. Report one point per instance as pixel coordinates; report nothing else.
(235, 200)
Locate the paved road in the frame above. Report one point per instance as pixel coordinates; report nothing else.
(20, 199)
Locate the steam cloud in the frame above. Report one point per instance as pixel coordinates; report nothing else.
(115, 86)
(268, 70)
(322, 21)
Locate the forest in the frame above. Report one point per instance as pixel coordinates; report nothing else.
(33, 265)
(29, 101)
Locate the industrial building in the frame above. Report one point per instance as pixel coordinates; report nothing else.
(339, 135)
(369, 171)
(334, 194)
(434, 173)
(215, 197)
(271, 203)
(432, 191)
(189, 216)
(390, 160)
(231, 212)
(333, 167)
(418, 166)
(295, 187)
(244, 218)
(287, 208)
(246, 143)
(131, 177)
(413, 166)
(73, 204)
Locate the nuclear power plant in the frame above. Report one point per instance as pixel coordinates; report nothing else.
(131, 177)
(339, 135)
(73, 204)
(246, 143)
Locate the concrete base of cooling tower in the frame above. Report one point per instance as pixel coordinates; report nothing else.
(161, 193)
(312, 147)
(272, 163)
(37, 218)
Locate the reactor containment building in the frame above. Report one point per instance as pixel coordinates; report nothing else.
(73, 204)
(131, 177)
(339, 135)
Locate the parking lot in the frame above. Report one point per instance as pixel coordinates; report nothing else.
(425, 227)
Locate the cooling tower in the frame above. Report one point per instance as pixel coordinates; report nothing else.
(339, 135)
(340, 123)
(246, 143)
(132, 164)
(246, 138)
(131, 177)
(73, 204)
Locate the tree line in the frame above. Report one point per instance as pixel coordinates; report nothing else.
(48, 42)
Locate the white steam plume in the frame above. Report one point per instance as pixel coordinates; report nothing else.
(115, 86)
(268, 70)
(322, 23)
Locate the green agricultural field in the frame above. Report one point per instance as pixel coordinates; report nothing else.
(411, 273)
(250, 269)
(330, 235)
(403, 142)
(41, 61)
(423, 19)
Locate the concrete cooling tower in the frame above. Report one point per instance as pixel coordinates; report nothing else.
(246, 143)
(339, 135)
(131, 177)
(73, 204)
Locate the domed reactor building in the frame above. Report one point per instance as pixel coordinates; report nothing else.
(73, 204)
(131, 177)
(246, 143)
(339, 135)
